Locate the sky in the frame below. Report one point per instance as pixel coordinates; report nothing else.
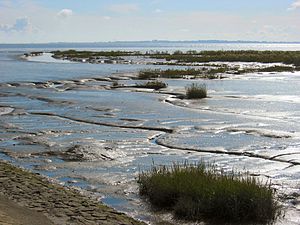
(43, 21)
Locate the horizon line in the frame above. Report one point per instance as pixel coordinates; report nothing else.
(157, 41)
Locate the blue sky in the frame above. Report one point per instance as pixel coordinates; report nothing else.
(23, 21)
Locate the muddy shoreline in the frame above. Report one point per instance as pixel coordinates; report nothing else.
(59, 204)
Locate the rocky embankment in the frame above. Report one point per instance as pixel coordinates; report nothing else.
(59, 204)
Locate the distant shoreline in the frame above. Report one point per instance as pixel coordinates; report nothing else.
(150, 43)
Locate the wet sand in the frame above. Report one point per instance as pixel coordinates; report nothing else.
(30, 199)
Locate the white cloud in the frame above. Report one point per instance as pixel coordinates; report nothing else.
(20, 25)
(295, 5)
(64, 13)
(124, 8)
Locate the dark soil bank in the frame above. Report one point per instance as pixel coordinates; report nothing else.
(60, 205)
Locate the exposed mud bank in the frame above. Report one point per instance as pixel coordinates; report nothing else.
(80, 153)
(59, 204)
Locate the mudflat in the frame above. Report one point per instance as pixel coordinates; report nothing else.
(13, 214)
(30, 199)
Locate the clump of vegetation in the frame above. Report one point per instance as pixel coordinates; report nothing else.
(196, 91)
(180, 73)
(90, 54)
(278, 69)
(286, 57)
(148, 74)
(115, 84)
(204, 73)
(199, 192)
(156, 85)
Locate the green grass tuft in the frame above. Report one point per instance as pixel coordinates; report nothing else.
(156, 85)
(148, 74)
(201, 193)
(196, 91)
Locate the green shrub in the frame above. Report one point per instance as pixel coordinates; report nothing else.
(201, 193)
(196, 91)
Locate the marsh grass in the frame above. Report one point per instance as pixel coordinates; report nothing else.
(196, 91)
(90, 54)
(278, 69)
(286, 57)
(201, 193)
(148, 74)
(210, 73)
(156, 85)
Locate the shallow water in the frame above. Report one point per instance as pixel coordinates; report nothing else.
(58, 120)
